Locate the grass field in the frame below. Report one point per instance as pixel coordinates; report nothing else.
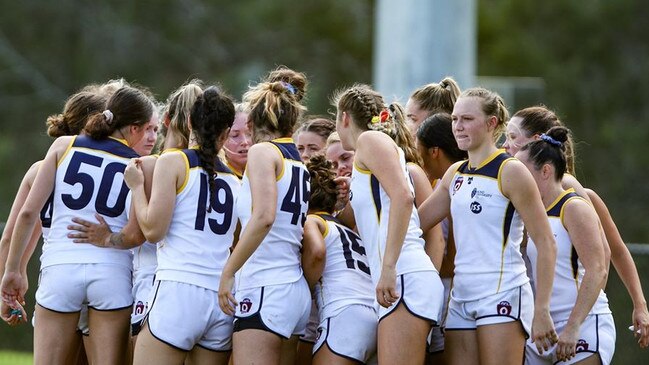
(15, 358)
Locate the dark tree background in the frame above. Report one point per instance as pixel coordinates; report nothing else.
(592, 57)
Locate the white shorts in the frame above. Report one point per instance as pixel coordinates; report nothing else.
(184, 315)
(310, 334)
(281, 309)
(513, 305)
(143, 281)
(65, 288)
(596, 336)
(421, 292)
(436, 335)
(350, 334)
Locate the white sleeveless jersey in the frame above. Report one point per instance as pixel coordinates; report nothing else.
(46, 217)
(487, 231)
(277, 259)
(201, 232)
(346, 277)
(89, 179)
(569, 271)
(371, 211)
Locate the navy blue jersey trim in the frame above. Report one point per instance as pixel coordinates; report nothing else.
(376, 195)
(507, 223)
(109, 145)
(555, 211)
(289, 150)
(192, 158)
(491, 169)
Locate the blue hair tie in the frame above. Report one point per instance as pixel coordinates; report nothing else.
(289, 87)
(551, 140)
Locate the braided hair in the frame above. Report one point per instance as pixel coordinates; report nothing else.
(211, 115)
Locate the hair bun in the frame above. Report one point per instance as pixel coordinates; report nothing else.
(558, 133)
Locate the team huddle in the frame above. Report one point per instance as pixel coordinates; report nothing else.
(206, 231)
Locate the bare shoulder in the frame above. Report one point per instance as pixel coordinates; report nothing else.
(373, 138)
(578, 208)
(264, 151)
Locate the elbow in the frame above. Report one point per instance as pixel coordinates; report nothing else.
(404, 200)
(318, 257)
(151, 235)
(264, 219)
(28, 215)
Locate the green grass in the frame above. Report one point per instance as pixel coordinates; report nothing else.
(16, 358)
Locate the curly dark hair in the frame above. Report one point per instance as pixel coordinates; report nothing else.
(324, 191)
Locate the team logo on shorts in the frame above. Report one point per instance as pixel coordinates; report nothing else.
(139, 308)
(458, 184)
(476, 208)
(581, 345)
(318, 333)
(246, 305)
(504, 308)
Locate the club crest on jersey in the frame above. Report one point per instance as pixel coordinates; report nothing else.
(140, 307)
(476, 208)
(504, 308)
(458, 184)
(245, 305)
(581, 346)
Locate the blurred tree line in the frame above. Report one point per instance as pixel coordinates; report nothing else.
(592, 57)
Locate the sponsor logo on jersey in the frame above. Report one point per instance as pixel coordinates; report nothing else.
(458, 184)
(476, 208)
(479, 193)
(504, 308)
(245, 305)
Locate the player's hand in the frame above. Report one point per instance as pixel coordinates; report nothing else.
(12, 289)
(343, 183)
(226, 299)
(133, 174)
(566, 346)
(543, 333)
(386, 291)
(97, 234)
(13, 316)
(641, 323)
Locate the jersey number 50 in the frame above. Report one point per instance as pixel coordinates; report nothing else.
(74, 176)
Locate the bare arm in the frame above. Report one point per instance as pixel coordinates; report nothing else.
(313, 249)
(26, 220)
(582, 225)
(434, 237)
(154, 214)
(438, 205)
(264, 165)
(518, 185)
(625, 267)
(19, 201)
(377, 153)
